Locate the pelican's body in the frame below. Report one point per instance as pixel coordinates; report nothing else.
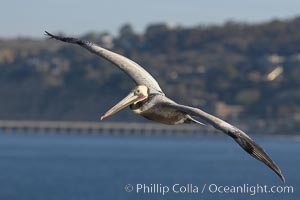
(165, 115)
(154, 109)
(148, 100)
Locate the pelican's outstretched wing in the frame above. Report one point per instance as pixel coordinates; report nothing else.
(139, 75)
(239, 136)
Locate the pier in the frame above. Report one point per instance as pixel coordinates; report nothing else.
(87, 127)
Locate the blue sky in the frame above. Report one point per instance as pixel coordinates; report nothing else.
(30, 18)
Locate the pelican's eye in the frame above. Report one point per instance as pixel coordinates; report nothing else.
(137, 92)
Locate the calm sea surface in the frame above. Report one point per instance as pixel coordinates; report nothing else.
(56, 167)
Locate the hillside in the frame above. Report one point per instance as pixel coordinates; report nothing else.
(241, 72)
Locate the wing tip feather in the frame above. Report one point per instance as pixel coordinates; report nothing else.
(257, 152)
(67, 39)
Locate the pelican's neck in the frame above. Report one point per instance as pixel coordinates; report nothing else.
(137, 108)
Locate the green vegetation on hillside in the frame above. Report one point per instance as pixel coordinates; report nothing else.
(237, 71)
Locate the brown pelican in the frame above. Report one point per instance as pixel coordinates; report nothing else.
(147, 99)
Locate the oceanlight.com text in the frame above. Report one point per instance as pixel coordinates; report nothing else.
(177, 188)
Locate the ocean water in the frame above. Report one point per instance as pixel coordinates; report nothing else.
(60, 167)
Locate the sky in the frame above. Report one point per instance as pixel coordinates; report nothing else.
(29, 18)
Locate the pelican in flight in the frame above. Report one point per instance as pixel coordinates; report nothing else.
(148, 99)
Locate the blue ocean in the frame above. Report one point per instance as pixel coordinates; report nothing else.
(93, 167)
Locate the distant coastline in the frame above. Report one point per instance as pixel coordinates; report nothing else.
(240, 72)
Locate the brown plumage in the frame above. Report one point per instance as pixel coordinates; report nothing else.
(148, 100)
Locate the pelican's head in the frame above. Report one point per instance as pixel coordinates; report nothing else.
(138, 94)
